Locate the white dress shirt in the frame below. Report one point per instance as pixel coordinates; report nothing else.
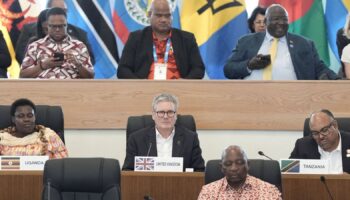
(165, 145)
(334, 158)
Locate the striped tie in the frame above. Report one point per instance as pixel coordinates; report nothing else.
(267, 74)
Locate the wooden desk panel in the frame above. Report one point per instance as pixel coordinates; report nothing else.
(161, 185)
(218, 105)
(309, 187)
(21, 185)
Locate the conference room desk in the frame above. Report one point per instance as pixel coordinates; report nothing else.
(21, 185)
(27, 185)
(309, 187)
(161, 185)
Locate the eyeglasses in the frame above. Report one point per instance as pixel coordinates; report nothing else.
(57, 26)
(259, 22)
(324, 131)
(169, 113)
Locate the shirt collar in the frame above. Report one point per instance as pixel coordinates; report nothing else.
(158, 135)
(247, 183)
(156, 39)
(269, 37)
(66, 39)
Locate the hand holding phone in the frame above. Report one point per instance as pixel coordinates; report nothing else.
(259, 61)
(58, 56)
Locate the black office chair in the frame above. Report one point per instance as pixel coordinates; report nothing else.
(81, 179)
(49, 116)
(266, 170)
(343, 124)
(138, 122)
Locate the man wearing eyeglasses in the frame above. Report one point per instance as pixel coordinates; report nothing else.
(165, 139)
(326, 142)
(57, 56)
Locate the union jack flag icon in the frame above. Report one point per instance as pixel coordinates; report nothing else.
(144, 164)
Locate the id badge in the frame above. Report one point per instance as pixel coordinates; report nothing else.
(160, 70)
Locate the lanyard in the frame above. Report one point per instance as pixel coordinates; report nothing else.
(166, 55)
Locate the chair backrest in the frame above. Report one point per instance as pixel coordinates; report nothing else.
(81, 179)
(266, 170)
(343, 124)
(138, 122)
(49, 116)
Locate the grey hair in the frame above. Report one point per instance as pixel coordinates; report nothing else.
(234, 147)
(165, 97)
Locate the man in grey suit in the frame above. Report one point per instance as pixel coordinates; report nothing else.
(296, 57)
(165, 139)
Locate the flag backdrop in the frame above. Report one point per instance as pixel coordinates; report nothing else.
(336, 11)
(217, 25)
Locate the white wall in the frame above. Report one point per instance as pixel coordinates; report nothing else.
(112, 143)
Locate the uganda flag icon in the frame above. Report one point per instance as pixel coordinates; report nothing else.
(10, 163)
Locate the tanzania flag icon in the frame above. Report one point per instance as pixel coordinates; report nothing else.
(292, 166)
(10, 163)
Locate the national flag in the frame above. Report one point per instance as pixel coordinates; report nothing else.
(291, 166)
(90, 16)
(306, 17)
(336, 11)
(217, 25)
(12, 20)
(10, 163)
(144, 163)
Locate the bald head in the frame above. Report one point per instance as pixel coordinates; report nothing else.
(160, 17)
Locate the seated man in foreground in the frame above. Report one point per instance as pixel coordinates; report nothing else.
(237, 184)
(165, 139)
(325, 142)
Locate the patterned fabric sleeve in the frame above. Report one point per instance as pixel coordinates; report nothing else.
(84, 57)
(56, 148)
(30, 58)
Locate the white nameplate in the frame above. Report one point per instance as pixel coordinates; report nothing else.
(304, 166)
(158, 164)
(23, 162)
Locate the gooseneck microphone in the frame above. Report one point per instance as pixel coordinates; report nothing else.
(262, 154)
(323, 180)
(149, 149)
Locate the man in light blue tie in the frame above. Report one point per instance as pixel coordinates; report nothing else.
(296, 57)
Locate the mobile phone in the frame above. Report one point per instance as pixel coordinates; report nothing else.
(58, 56)
(266, 57)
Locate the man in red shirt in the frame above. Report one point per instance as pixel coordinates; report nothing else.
(159, 51)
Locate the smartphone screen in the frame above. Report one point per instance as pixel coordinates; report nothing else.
(58, 56)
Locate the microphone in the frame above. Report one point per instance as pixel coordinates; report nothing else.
(323, 180)
(149, 149)
(262, 154)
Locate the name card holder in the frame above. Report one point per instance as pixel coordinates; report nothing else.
(158, 164)
(304, 166)
(32, 163)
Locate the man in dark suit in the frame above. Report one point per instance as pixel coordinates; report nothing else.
(165, 139)
(325, 142)
(296, 57)
(159, 51)
(29, 30)
(5, 58)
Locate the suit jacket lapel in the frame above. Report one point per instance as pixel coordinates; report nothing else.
(178, 143)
